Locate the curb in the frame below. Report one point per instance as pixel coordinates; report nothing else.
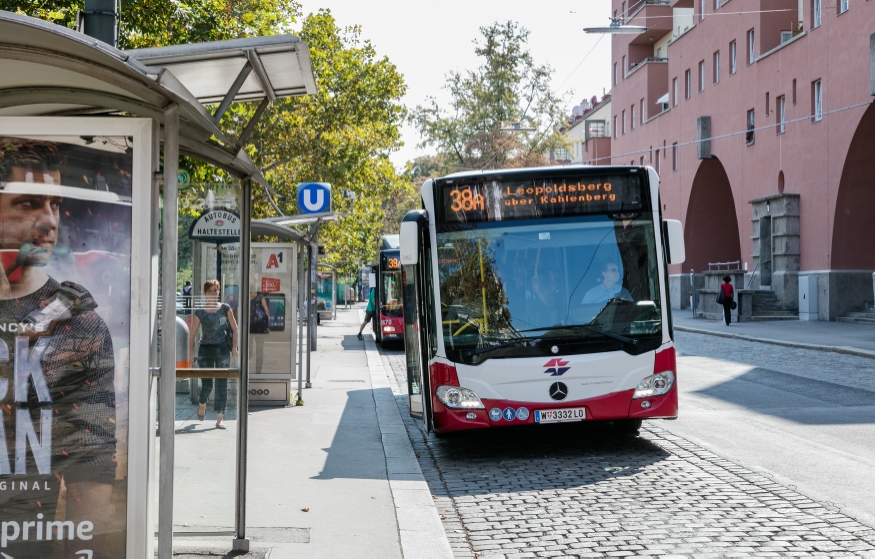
(816, 347)
(419, 526)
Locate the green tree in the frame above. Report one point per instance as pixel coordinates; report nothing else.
(344, 135)
(507, 90)
(153, 23)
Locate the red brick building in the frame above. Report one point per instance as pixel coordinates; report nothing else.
(758, 116)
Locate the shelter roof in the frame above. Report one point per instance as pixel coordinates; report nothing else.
(49, 70)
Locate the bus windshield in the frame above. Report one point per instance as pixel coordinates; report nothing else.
(583, 284)
(390, 296)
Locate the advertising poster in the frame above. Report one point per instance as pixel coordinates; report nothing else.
(65, 323)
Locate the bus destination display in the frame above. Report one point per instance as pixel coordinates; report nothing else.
(495, 200)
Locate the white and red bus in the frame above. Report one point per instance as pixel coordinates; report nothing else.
(388, 322)
(540, 296)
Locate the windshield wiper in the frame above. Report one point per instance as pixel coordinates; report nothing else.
(589, 328)
(508, 343)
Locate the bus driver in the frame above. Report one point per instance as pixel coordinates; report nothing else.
(609, 288)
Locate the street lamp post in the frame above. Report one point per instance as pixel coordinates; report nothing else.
(615, 28)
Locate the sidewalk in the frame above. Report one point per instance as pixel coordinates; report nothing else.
(336, 477)
(839, 337)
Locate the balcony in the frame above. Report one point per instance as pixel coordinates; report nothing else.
(649, 80)
(649, 60)
(656, 16)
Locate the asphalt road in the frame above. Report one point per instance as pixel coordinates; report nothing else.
(772, 455)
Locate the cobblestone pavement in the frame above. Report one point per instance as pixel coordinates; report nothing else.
(582, 490)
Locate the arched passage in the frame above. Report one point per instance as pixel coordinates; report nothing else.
(711, 227)
(852, 246)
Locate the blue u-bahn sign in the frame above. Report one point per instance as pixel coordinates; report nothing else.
(314, 197)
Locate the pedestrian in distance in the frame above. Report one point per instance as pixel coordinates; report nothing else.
(726, 298)
(216, 349)
(369, 313)
(187, 292)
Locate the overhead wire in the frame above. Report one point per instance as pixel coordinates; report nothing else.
(737, 133)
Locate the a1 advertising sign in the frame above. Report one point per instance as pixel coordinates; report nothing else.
(270, 285)
(314, 197)
(273, 260)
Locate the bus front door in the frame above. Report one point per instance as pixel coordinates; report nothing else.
(415, 338)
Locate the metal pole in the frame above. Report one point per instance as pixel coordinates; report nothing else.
(167, 385)
(240, 542)
(100, 20)
(310, 324)
(314, 300)
(300, 325)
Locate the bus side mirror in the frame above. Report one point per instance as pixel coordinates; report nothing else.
(673, 235)
(409, 235)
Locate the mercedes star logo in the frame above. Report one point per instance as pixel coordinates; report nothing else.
(558, 391)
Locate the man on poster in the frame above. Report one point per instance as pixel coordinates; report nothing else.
(56, 376)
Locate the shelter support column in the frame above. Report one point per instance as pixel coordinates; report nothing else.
(241, 543)
(167, 385)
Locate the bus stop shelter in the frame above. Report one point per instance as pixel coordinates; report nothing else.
(63, 88)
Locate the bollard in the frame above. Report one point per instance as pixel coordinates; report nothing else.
(694, 297)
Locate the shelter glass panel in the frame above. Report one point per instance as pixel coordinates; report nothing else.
(207, 310)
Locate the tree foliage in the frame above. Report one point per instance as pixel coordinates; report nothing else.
(153, 23)
(343, 135)
(507, 90)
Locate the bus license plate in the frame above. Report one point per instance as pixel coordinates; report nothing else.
(558, 416)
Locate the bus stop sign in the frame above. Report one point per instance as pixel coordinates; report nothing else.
(314, 197)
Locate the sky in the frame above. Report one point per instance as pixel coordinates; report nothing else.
(426, 40)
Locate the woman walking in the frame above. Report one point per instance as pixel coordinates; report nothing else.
(215, 320)
(728, 299)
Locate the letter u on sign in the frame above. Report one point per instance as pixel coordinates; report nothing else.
(314, 197)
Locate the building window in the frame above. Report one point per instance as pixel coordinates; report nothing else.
(675, 162)
(615, 127)
(716, 5)
(816, 10)
(657, 162)
(717, 67)
(751, 47)
(623, 12)
(751, 126)
(624, 68)
(674, 88)
(767, 103)
(642, 161)
(687, 78)
(817, 100)
(642, 112)
(624, 122)
(733, 58)
(781, 109)
(701, 10)
(794, 91)
(632, 117)
(843, 6)
(615, 73)
(701, 76)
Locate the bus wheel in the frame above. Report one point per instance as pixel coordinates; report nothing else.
(628, 426)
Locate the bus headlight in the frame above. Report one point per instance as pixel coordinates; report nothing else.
(456, 397)
(655, 385)
(388, 328)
